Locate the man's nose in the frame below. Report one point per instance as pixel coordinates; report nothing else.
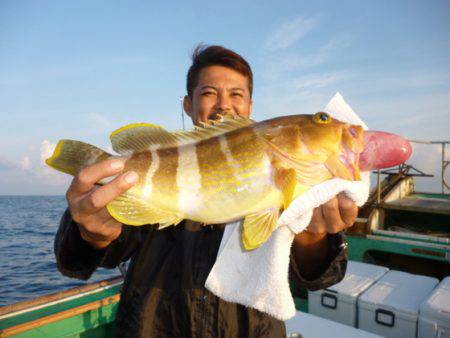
(223, 103)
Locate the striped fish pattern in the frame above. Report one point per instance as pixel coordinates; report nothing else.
(228, 171)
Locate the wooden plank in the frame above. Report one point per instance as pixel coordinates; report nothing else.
(58, 316)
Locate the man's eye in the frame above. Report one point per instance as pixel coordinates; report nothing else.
(207, 93)
(237, 95)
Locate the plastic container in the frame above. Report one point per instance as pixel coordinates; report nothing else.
(434, 315)
(391, 306)
(338, 303)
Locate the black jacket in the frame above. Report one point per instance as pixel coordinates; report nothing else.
(164, 294)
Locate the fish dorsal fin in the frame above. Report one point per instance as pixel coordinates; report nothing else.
(140, 137)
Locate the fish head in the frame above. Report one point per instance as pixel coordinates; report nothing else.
(336, 144)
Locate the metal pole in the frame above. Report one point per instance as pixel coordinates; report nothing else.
(378, 186)
(182, 112)
(442, 167)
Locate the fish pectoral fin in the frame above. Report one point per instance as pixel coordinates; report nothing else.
(287, 181)
(258, 227)
(139, 137)
(132, 210)
(339, 169)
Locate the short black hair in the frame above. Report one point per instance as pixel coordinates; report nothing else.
(205, 56)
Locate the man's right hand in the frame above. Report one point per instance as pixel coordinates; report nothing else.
(87, 201)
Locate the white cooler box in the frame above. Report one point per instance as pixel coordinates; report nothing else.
(338, 302)
(391, 306)
(434, 316)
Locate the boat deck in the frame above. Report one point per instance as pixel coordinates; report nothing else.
(419, 202)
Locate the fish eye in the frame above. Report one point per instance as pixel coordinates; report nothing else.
(322, 118)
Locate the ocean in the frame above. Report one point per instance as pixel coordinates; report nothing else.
(28, 225)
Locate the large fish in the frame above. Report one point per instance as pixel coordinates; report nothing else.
(233, 169)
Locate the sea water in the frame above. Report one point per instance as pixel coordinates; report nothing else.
(28, 225)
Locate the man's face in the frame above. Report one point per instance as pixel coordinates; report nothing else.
(220, 90)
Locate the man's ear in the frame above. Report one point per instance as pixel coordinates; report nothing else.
(250, 111)
(187, 105)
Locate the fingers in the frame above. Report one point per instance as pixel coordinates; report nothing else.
(99, 198)
(317, 224)
(332, 217)
(347, 209)
(101, 236)
(86, 178)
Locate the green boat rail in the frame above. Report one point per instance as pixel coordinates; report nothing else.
(86, 311)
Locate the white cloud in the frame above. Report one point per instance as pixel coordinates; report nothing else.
(99, 119)
(289, 33)
(284, 64)
(318, 80)
(25, 163)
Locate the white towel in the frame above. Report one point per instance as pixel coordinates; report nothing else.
(259, 278)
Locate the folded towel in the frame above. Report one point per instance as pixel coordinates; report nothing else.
(259, 278)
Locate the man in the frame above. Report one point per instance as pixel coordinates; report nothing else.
(164, 293)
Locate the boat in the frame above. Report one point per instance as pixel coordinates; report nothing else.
(398, 227)
(85, 311)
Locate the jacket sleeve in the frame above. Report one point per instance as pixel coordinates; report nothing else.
(332, 270)
(77, 259)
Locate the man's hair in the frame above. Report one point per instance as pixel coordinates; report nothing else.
(205, 56)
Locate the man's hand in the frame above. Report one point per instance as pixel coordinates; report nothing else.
(87, 201)
(311, 246)
(334, 216)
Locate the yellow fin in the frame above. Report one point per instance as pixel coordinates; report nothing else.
(309, 170)
(286, 181)
(140, 137)
(339, 169)
(257, 228)
(71, 156)
(131, 210)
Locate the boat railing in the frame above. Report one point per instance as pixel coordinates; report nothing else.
(54, 298)
(444, 162)
(409, 170)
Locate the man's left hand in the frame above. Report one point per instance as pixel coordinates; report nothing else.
(334, 216)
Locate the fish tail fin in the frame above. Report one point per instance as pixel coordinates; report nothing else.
(71, 156)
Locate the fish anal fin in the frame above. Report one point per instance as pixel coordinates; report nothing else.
(131, 210)
(170, 221)
(258, 227)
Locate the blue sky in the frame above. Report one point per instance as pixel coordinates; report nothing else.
(81, 69)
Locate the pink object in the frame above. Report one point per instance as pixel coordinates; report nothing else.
(383, 150)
